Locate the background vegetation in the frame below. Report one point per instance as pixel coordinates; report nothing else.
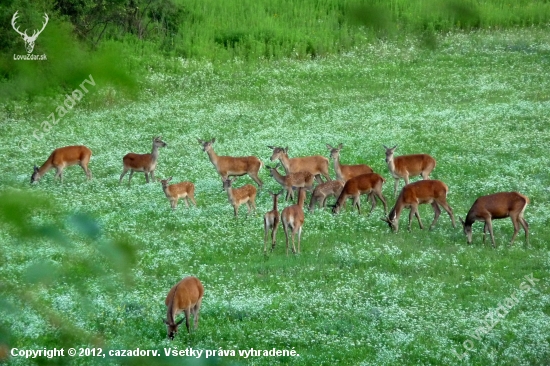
(91, 262)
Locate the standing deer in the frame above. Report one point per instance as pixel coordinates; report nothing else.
(417, 193)
(271, 222)
(176, 191)
(497, 206)
(238, 196)
(29, 41)
(317, 165)
(63, 157)
(323, 191)
(346, 172)
(146, 163)
(297, 179)
(228, 166)
(405, 166)
(185, 296)
(369, 184)
(293, 220)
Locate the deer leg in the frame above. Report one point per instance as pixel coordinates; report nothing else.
(318, 179)
(357, 203)
(124, 171)
(193, 200)
(285, 228)
(515, 222)
(437, 212)
(187, 314)
(525, 226)
(373, 200)
(294, 231)
(146, 177)
(417, 217)
(485, 229)
(86, 171)
(274, 235)
(449, 210)
(173, 204)
(197, 309)
(383, 199)
(235, 210)
(327, 177)
(299, 237)
(130, 176)
(395, 186)
(266, 231)
(489, 224)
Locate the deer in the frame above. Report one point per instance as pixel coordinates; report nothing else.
(317, 165)
(369, 184)
(404, 166)
(323, 191)
(271, 222)
(63, 157)
(497, 206)
(176, 191)
(29, 40)
(346, 172)
(146, 163)
(228, 166)
(293, 220)
(297, 179)
(184, 297)
(238, 196)
(417, 193)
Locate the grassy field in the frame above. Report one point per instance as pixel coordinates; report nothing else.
(91, 262)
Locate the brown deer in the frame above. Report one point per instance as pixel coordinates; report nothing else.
(146, 163)
(185, 296)
(297, 179)
(497, 206)
(238, 196)
(63, 157)
(228, 166)
(369, 184)
(176, 191)
(323, 191)
(317, 165)
(271, 222)
(346, 172)
(293, 220)
(417, 193)
(405, 166)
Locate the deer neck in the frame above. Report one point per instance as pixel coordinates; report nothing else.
(274, 203)
(278, 177)
(154, 154)
(45, 167)
(301, 198)
(212, 156)
(166, 190)
(391, 167)
(337, 167)
(285, 162)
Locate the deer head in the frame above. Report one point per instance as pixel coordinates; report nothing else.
(29, 41)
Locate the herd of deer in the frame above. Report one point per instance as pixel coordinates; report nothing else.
(352, 181)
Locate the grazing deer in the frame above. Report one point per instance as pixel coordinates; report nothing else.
(417, 193)
(228, 166)
(146, 163)
(271, 222)
(497, 206)
(293, 219)
(316, 164)
(238, 196)
(185, 296)
(346, 172)
(63, 157)
(369, 184)
(323, 191)
(298, 179)
(405, 166)
(176, 191)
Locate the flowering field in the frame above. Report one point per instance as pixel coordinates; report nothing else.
(91, 262)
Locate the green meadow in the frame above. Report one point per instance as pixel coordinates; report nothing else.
(88, 264)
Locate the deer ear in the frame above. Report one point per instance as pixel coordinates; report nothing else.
(213, 140)
(340, 146)
(169, 179)
(329, 147)
(35, 168)
(271, 147)
(461, 221)
(395, 147)
(165, 321)
(181, 321)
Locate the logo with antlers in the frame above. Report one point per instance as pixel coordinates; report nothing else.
(29, 40)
